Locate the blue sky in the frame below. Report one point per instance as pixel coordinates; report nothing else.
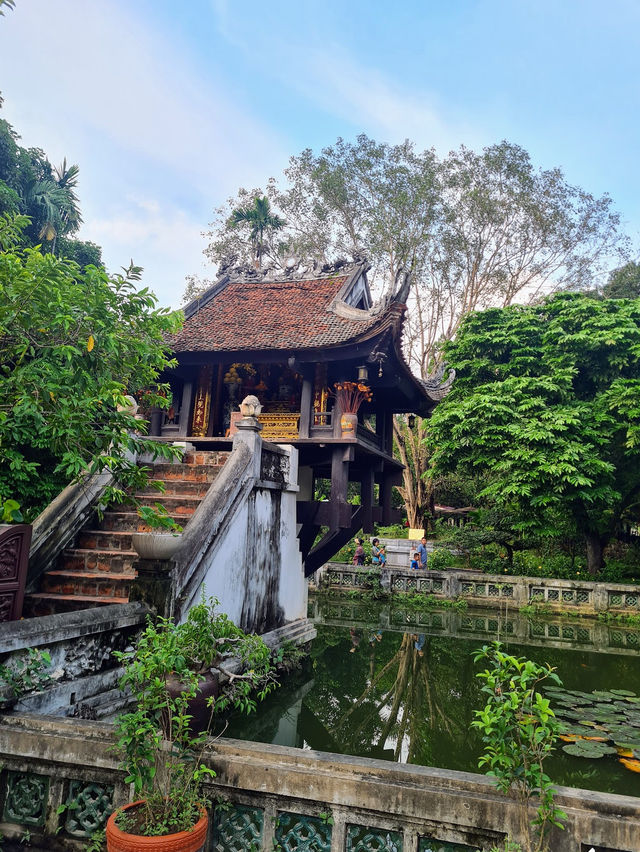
(169, 107)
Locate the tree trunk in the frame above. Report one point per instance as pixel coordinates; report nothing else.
(595, 561)
(410, 449)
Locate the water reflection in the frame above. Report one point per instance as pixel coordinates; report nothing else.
(374, 690)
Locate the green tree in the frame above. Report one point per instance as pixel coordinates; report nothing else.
(30, 185)
(73, 343)
(260, 220)
(624, 282)
(546, 407)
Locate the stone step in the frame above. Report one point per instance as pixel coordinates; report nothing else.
(118, 540)
(181, 505)
(176, 486)
(44, 603)
(99, 569)
(192, 473)
(97, 561)
(61, 582)
(210, 457)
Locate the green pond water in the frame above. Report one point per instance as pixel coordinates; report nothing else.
(401, 686)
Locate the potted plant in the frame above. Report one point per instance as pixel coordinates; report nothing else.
(350, 396)
(164, 540)
(160, 747)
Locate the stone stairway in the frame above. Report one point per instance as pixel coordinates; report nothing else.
(98, 568)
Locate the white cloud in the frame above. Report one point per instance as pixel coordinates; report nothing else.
(101, 84)
(163, 239)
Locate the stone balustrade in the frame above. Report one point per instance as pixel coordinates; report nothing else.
(273, 797)
(490, 589)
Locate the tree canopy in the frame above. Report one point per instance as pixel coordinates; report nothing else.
(31, 186)
(624, 282)
(474, 229)
(546, 407)
(73, 343)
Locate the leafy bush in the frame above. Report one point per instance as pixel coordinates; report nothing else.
(393, 531)
(519, 730)
(442, 559)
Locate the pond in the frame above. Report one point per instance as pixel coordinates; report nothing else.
(401, 686)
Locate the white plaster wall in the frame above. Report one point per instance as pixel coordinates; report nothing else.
(222, 579)
(243, 569)
(293, 585)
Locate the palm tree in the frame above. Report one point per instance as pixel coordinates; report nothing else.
(260, 220)
(50, 199)
(67, 180)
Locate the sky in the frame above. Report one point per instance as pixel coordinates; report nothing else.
(168, 108)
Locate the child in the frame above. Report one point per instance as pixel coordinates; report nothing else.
(415, 562)
(383, 557)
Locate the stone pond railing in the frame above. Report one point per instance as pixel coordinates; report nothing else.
(277, 797)
(490, 589)
(550, 631)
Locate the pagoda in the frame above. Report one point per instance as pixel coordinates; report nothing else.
(292, 340)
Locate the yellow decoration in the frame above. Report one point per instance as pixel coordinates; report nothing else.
(202, 402)
(279, 427)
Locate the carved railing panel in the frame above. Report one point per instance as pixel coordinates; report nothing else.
(15, 541)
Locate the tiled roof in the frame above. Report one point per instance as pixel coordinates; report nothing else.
(271, 315)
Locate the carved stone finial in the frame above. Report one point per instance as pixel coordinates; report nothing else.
(130, 408)
(250, 406)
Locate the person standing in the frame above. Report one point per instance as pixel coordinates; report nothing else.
(422, 550)
(358, 556)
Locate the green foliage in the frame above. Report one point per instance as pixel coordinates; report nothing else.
(623, 283)
(72, 344)
(162, 755)
(288, 656)
(30, 674)
(546, 407)
(157, 517)
(10, 511)
(519, 731)
(393, 531)
(442, 559)
(97, 841)
(82, 252)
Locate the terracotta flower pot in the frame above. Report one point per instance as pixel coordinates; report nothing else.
(349, 425)
(183, 841)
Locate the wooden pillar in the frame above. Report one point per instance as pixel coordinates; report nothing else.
(306, 403)
(216, 418)
(337, 414)
(185, 409)
(155, 422)
(366, 499)
(339, 482)
(386, 489)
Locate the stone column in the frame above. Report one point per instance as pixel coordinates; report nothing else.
(249, 428)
